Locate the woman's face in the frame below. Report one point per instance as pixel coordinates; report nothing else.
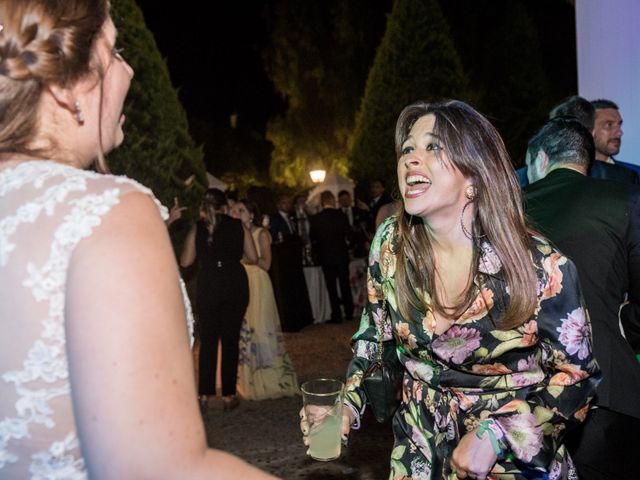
(115, 85)
(239, 211)
(431, 186)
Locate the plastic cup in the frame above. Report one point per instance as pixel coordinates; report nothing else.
(323, 408)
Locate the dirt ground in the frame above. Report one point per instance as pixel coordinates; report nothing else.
(266, 433)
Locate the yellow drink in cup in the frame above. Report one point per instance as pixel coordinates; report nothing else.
(323, 409)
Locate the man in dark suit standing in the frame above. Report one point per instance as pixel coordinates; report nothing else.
(329, 233)
(379, 197)
(597, 224)
(357, 220)
(287, 276)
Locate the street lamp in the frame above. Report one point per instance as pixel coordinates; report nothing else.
(317, 176)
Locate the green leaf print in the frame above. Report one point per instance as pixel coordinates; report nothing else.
(542, 414)
(398, 452)
(505, 335)
(505, 347)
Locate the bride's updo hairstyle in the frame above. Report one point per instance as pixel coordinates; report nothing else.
(42, 42)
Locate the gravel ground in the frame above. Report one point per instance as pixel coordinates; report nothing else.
(266, 433)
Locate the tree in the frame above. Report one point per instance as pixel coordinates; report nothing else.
(505, 65)
(416, 60)
(318, 60)
(158, 150)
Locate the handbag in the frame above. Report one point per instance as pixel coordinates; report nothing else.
(382, 381)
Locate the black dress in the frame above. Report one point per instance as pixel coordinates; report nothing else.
(222, 299)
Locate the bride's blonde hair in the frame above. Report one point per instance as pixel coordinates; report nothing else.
(42, 42)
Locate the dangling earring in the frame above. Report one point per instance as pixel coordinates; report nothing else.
(471, 192)
(79, 114)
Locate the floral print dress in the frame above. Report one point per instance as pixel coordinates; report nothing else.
(535, 381)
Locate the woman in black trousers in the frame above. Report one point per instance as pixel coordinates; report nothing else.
(219, 243)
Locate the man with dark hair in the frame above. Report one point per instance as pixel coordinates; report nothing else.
(586, 113)
(575, 106)
(329, 233)
(607, 135)
(379, 197)
(597, 224)
(286, 272)
(607, 130)
(357, 220)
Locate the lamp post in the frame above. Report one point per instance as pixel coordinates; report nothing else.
(317, 176)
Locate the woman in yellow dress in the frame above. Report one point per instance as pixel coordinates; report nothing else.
(264, 367)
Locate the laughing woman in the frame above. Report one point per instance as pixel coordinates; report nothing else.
(487, 317)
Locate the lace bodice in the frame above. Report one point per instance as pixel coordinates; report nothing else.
(46, 209)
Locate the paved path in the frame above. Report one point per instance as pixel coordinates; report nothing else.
(266, 433)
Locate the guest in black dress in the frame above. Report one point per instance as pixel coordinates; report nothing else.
(218, 242)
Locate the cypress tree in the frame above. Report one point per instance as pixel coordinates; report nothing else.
(158, 150)
(318, 60)
(416, 60)
(505, 64)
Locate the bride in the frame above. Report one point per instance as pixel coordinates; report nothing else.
(96, 377)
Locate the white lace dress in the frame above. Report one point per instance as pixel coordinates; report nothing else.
(46, 209)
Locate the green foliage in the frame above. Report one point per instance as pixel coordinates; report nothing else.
(318, 60)
(505, 66)
(416, 60)
(158, 150)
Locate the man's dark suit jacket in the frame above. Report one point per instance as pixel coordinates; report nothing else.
(329, 233)
(287, 276)
(278, 227)
(619, 172)
(357, 232)
(613, 171)
(373, 210)
(596, 223)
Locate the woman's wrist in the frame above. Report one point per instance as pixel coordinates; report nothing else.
(489, 428)
(354, 415)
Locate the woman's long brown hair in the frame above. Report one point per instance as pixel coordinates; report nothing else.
(474, 147)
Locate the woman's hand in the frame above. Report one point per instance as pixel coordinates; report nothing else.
(473, 457)
(175, 213)
(347, 420)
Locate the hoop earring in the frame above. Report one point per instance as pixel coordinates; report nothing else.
(79, 114)
(471, 192)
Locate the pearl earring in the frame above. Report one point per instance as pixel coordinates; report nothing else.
(79, 114)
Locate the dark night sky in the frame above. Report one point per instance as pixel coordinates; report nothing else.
(215, 59)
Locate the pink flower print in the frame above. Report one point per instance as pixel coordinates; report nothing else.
(479, 308)
(429, 322)
(568, 375)
(490, 369)
(523, 434)
(529, 372)
(374, 290)
(489, 262)
(530, 333)
(457, 343)
(387, 261)
(574, 334)
(551, 264)
(419, 370)
(418, 437)
(406, 337)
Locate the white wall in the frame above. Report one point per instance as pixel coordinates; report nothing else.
(608, 44)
